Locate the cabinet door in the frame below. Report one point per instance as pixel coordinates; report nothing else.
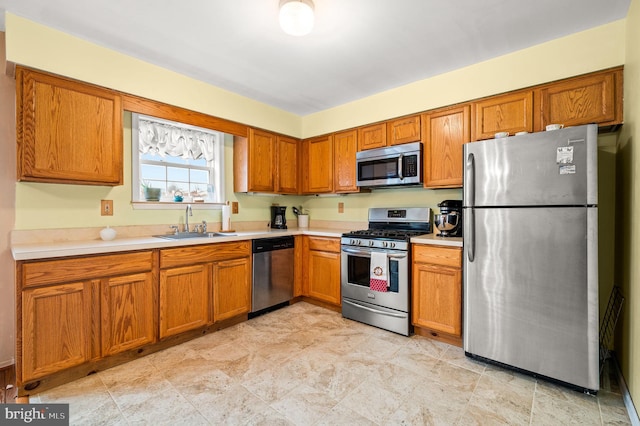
(287, 165)
(318, 165)
(67, 131)
(324, 276)
(262, 156)
(437, 298)
(512, 112)
(231, 288)
(444, 133)
(345, 148)
(590, 99)
(127, 312)
(185, 293)
(56, 328)
(403, 130)
(374, 136)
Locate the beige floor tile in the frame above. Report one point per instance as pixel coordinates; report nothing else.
(304, 405)
(307, 365)
(548, 410)
(498, 402)
(236, 406)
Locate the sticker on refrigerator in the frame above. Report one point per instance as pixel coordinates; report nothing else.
(568, 169)
(564, 155)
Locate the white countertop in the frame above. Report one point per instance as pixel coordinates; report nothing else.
(80, 248)
(437, 240)
(89, 247)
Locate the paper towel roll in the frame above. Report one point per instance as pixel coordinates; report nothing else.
(226, 218)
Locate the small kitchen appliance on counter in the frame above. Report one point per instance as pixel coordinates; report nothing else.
(382, 301)
(278, 219)
(449, 221)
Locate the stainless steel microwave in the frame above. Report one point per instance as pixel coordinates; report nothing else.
(397, 165)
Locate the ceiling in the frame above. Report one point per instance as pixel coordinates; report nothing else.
(357, 48)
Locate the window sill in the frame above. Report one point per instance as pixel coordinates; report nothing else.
(171, 205)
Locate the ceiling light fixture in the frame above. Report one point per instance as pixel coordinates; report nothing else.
(296, 16)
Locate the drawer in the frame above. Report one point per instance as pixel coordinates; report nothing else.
(190, 255)
(438, 255)
(84, 268)
(324, 244)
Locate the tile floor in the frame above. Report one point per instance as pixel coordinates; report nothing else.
(306, 365)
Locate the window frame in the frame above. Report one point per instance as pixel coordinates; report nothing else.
(217, 170)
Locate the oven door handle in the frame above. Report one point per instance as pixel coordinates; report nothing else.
(368, 253)
(390, 314)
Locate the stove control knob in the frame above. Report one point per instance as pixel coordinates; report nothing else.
(352, 242)
(371, 243)
(385, 244)
(393, 245)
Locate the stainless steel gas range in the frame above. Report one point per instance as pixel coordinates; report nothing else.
(376, 267)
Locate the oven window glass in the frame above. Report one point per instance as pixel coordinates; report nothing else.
(359, 270)
(378, 169)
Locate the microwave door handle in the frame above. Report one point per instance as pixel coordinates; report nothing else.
(400, 166)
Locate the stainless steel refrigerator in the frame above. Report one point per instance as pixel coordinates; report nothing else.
(531, 253)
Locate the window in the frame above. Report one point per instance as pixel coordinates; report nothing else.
(178, 159)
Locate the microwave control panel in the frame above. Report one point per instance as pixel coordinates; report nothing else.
(410, 165)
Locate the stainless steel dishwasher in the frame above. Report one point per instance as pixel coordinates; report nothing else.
(272, 274)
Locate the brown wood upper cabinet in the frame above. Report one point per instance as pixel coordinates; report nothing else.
(511, 112)
(373, 136)
(403, 130)
(265, 162)
(254, 162)
(67, 131)
(345, 146)
(287, 170)
(444, 132)
(317, 165)
(594, 98)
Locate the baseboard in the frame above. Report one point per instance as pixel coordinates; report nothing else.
(7, 363)
(626, 396)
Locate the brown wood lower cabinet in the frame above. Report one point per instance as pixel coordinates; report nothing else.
(55, 329)
(74, 310)
(214, 279)
(437, 290)
(231, 288)
(321, 266)
(184, 299)
(128, 313)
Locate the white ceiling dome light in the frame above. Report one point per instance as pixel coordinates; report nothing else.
(296, 17)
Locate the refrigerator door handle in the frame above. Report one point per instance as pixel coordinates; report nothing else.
(470, 236)
(470, 184)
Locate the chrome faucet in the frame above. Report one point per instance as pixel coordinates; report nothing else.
(188, 213)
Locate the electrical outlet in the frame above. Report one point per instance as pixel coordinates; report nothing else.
(234, 207)
(340, 207)
(106, 207)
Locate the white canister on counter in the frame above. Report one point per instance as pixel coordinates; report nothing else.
(303, 221)
(107, 234)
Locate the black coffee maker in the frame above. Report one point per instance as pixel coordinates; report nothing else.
(278, 219)
(449, 221)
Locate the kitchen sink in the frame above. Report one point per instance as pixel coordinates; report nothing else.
(185, 235)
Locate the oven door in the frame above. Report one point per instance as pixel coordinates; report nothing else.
(354, 277)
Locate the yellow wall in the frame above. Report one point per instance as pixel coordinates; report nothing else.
(583, 52)
(628, 208)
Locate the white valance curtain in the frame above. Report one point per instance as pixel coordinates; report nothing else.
(175, 141)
